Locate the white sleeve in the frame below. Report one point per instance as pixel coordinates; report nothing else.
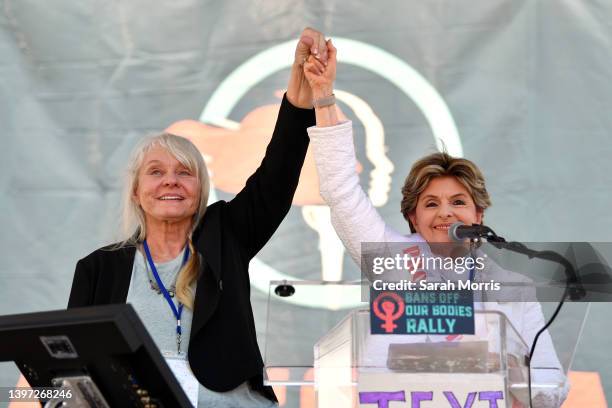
(353, 216)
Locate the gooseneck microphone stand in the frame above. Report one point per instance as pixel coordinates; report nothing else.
(573, 284)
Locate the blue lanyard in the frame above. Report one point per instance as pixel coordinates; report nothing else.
(176, 311)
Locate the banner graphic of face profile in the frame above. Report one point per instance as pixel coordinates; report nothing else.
(233, 150)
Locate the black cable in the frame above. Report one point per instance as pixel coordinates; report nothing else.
(537, 336)
(577, 292)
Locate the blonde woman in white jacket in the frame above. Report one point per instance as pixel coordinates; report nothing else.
(439, 191)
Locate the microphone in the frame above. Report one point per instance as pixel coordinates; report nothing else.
(460, 232)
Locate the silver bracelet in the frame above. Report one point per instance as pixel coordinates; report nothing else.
(325, 101)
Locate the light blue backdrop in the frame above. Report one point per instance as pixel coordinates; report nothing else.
(527, 83)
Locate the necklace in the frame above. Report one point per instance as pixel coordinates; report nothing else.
(154, 286)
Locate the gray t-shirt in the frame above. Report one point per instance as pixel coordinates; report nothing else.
(158, 318)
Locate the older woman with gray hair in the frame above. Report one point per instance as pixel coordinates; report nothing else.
(183, 264)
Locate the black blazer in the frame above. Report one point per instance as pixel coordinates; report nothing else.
(223, 350)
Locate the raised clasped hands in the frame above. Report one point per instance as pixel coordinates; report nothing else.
(311, 44)
(321, 75)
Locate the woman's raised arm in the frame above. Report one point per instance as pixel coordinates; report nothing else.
(353, 216)
(259, 208)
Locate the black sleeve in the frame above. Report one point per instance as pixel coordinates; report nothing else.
(80, 294)
(259, 208)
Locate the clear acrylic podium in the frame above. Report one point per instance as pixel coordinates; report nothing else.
(330, 348)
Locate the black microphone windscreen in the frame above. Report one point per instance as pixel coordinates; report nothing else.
(452, 231)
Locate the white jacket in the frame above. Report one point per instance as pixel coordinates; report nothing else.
(356, 220)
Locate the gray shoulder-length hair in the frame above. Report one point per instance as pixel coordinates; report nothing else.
(134, 227)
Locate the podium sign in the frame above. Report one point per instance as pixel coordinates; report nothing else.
(430, 390)
(421, 312)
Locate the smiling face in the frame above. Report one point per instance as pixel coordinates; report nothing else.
(166, 190)
(444, 202)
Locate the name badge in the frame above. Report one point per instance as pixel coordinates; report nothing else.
(181, 370)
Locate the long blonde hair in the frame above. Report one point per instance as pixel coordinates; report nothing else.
(134, 228)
